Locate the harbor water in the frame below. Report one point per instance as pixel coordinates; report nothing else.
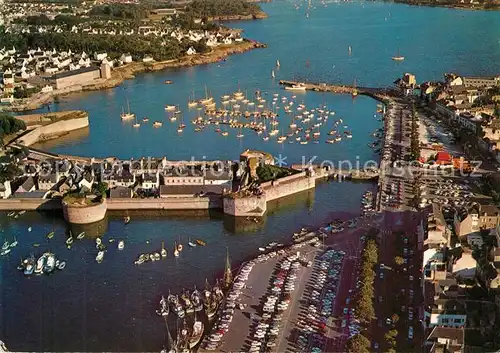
(111, 306)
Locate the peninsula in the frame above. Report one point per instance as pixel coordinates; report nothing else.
(44, 58)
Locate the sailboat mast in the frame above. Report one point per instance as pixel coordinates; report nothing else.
(228, 276)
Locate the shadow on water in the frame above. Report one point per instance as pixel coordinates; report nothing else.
(92, 230)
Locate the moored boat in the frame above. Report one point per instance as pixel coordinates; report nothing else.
(196, 334)
(50, 264)
(121, 245)
(100, 256)
(200, 242)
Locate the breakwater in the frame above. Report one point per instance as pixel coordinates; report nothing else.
(43, 127)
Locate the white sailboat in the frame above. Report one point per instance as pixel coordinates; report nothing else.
(278, 63)
(128, 115)
(272, 74)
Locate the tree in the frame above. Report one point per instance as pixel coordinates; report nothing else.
(358, 344)
(102, 188)
(398, 260)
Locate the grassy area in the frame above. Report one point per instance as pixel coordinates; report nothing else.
(77, 200)
(271, 172)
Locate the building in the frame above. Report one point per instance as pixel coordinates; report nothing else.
(86, 182)
(120, 192)
(150, 181)
(126, 58)
(5, 190)
(218, 177)
(179, 191)
(183, 176)
(481, 82)
(191, 51)
(100, 56)
(47, 182)
(105, 71)
(446, 340)
(78, 77)
(27, 186)
(476, 218)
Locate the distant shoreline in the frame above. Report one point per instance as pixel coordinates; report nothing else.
(126, 72)
(458, 6)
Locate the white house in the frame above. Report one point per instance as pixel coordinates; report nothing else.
(191, 51)
(5, 190)
(99, 56)
(86, 182)
(126, 58)
(47, 89)
(147, 59)
(151, 181)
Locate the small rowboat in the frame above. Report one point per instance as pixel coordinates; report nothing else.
(201, 242)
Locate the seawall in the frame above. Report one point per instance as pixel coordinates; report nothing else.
(53, 130)
(181, 203)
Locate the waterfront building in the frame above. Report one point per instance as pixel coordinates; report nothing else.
(481, 82)
(47, 182)
(183, 176)
(82, 76)
(150, 181)
(475, 219)
(119, 178)
(182, 191)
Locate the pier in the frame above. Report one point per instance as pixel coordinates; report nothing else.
(378, 93)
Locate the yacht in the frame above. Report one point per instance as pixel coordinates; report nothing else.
(127, 115)
(398, 57)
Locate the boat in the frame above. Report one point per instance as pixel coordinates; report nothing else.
(145, 119)
(21, 212)
(29, 265)
(272, 74)
(297, 87)
(126, 219)
(170, 108)
(69, 241)
(30, 229)
(196, 300)
(6, 245)
(50, 263)
(200, 242)
(10, 214)
(40, 264)
(157, 124)
(398, 57)
(156, 256)
(354, 91)
(262, 249)
(50, 235)
(80, 236)
(191, 244)
(207, 99)
(136, 124)
(196, 334)
(240, 135)
(164, 307)
(278, 63)
(179, 247)
(121, 245)
(61, 265)
(330, 141)
(100, 256)
(3, 347)
(5, 252)
(176, 251)
(128, 115)
(168, 82)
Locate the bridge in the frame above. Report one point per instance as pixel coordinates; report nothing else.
(378, 93)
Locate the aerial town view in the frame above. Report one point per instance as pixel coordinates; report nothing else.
(250, 176)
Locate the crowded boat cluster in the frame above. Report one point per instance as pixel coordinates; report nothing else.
(261, 114)
(7, 247)
(45, 264)
(367, 205)
(162, 254)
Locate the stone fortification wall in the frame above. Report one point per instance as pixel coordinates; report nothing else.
(58, 128)
(84, 214)
(245, 206)
(19, 204)
(178, 203)
(288, 186)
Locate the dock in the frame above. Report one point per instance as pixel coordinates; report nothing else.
(378, 93)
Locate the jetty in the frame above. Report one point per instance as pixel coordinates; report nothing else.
(378, 93)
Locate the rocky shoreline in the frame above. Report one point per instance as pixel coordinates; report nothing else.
(458, 5)
(129, 71)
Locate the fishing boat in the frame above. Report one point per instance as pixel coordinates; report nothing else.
(126, 219)
(127, 115)
(173, 300)
(398, 57)
(196, 333)
(163, 250)
(99, 257)
(176, 250)
(200, 242)
(121, 245)
(157, 124)
(50, 263)
(191, 244)
(196, 300)
(50, 235)
(170, 108)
